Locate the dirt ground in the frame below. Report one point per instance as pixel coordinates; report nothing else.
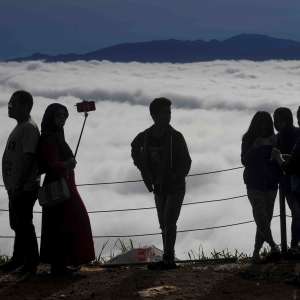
(232, 281)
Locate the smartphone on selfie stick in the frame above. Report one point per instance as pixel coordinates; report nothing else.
(84, 107)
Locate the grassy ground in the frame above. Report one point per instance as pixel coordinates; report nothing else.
(191, 281)
(123, 246)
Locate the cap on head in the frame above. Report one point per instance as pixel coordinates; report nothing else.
(158, 103)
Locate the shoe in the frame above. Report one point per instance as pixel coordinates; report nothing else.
(25, 273)
(162, 265)
(293, 253)
(63, 271)
(10, 266)
(294, 280)
(275, 249)
(256, 260)
(274, 255)
(153, 266)
(24, 270)
(74, 268)
(169, 265)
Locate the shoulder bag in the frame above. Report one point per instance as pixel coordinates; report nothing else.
(54, 193)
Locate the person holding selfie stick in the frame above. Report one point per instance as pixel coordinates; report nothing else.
(66, 238)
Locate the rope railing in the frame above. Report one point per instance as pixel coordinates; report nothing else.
(159, 233)
(153, 207)
(150, 207)
(140, 180)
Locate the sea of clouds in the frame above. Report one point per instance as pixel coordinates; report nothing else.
(213, 103)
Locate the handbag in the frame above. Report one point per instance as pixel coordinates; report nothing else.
(54, 193)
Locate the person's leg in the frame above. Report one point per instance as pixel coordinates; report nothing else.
(294, 201)
(172, 211)
(13, 213)
(257, 201)
(290, 198)
(259, 241)
(32, 248)
(25, 230)
(270, 201)
(271, 196)
(297, 226)
(17, 258)
(55, 246)
(160, 202)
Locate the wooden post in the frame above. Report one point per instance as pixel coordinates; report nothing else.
(282, 221)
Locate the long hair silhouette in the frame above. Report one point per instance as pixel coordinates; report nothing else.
(261, 125)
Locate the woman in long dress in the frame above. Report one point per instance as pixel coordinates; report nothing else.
(66, 231)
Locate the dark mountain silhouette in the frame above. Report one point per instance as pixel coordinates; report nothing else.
(245, 46)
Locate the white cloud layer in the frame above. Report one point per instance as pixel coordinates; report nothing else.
(213, 103)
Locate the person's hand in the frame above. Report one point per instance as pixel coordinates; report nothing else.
(71, 163)
(286, 156)
(276, 154)
(147, 178)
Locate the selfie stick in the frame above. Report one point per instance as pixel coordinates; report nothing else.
(85, 117)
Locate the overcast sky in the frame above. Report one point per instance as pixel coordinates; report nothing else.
(63, 26)
(213, 103)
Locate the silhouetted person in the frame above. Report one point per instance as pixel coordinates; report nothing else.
(298, 116)
(21, 180)
(291, 166)
(287, 136)
(66, 231)
(261, 176)
(162, 156)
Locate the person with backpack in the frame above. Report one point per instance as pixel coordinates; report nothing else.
(161, 154)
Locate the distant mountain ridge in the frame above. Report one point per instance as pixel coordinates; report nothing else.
(244, 46)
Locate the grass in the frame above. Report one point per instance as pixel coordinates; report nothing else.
(3, 259)
(214, 254)
(123, 246)
(119, 247)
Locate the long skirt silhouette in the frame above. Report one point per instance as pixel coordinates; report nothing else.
(66, 231)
